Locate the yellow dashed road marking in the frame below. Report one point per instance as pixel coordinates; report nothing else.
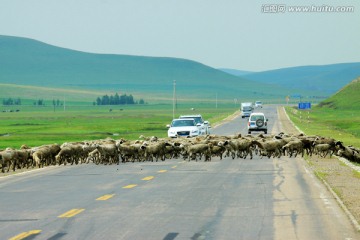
(130, 186)
(162, 171)
(105, 197)
(71, 213)
(25, 235)
(174, 167)
(148, 178)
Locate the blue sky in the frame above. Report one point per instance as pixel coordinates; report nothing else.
(222, 34)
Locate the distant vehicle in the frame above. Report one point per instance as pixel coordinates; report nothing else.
(246, 109)
(258, 104)
(257, 122)
(183, 128)
(204, 125)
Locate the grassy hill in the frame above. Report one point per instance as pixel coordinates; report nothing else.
(337, 117)
(325, 79)
(33, 63)
(346, 98)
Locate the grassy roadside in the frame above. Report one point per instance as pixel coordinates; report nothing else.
(337, 117)
(340, 178)
(342, 125)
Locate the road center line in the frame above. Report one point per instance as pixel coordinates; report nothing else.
(148, 178)
(162, 171)
(71, 213)
(130, 186)
(25, 235)
(105, 197)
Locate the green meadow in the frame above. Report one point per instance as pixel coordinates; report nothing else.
(337, 117)
(38, 125)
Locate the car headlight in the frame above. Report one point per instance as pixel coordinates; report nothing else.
(194, 131)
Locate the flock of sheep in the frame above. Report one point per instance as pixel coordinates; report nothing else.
(111, 151)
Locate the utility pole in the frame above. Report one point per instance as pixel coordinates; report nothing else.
(174, 98)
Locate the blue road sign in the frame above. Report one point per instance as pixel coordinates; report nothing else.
(304, 105)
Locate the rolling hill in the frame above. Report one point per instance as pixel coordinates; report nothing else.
(29, 62)
(347, 98)
(325, 79)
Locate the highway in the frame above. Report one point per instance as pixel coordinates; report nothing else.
(277, 198)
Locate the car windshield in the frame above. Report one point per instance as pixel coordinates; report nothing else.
(197, 119)
(258, 102)
(183, 123)
(256, 117)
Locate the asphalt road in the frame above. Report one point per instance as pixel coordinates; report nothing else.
(276, 198)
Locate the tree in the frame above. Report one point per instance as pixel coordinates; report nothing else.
(105, 100)
(17, 101)
(116, 100)
(130, 99)
(98, 101)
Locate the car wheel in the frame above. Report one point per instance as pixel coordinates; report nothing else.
(259, 122)
(265, 132)
(249, 132)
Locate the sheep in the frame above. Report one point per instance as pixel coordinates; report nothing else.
(23, 158)
(155, 149)
(231, 148)
(94, 156)
(323, 149)
(40, 156)
(8, 159)
(217, 149)
(66, 155)
(243, 147)
(151, 139)
(192, 151)
(269, 148)
(48, 153)
(307, 144)
(357, 157)
(295, 146)
(347, 152)
(109, 153)
(129, 151)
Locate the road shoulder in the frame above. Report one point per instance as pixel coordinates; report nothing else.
(341, 180)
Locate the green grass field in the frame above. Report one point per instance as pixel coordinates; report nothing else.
(341, 125)
(36, 126)
(337, 117)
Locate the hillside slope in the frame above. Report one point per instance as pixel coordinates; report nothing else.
(347, 98)
(325, 79)
(29, 62)
(235, 72)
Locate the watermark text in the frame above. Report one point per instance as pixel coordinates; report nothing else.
(283, 8)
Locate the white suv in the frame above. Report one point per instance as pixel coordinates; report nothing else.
(183, 128)
(204, 126)
(257, 122)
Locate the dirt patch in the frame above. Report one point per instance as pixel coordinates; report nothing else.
(342, 179)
